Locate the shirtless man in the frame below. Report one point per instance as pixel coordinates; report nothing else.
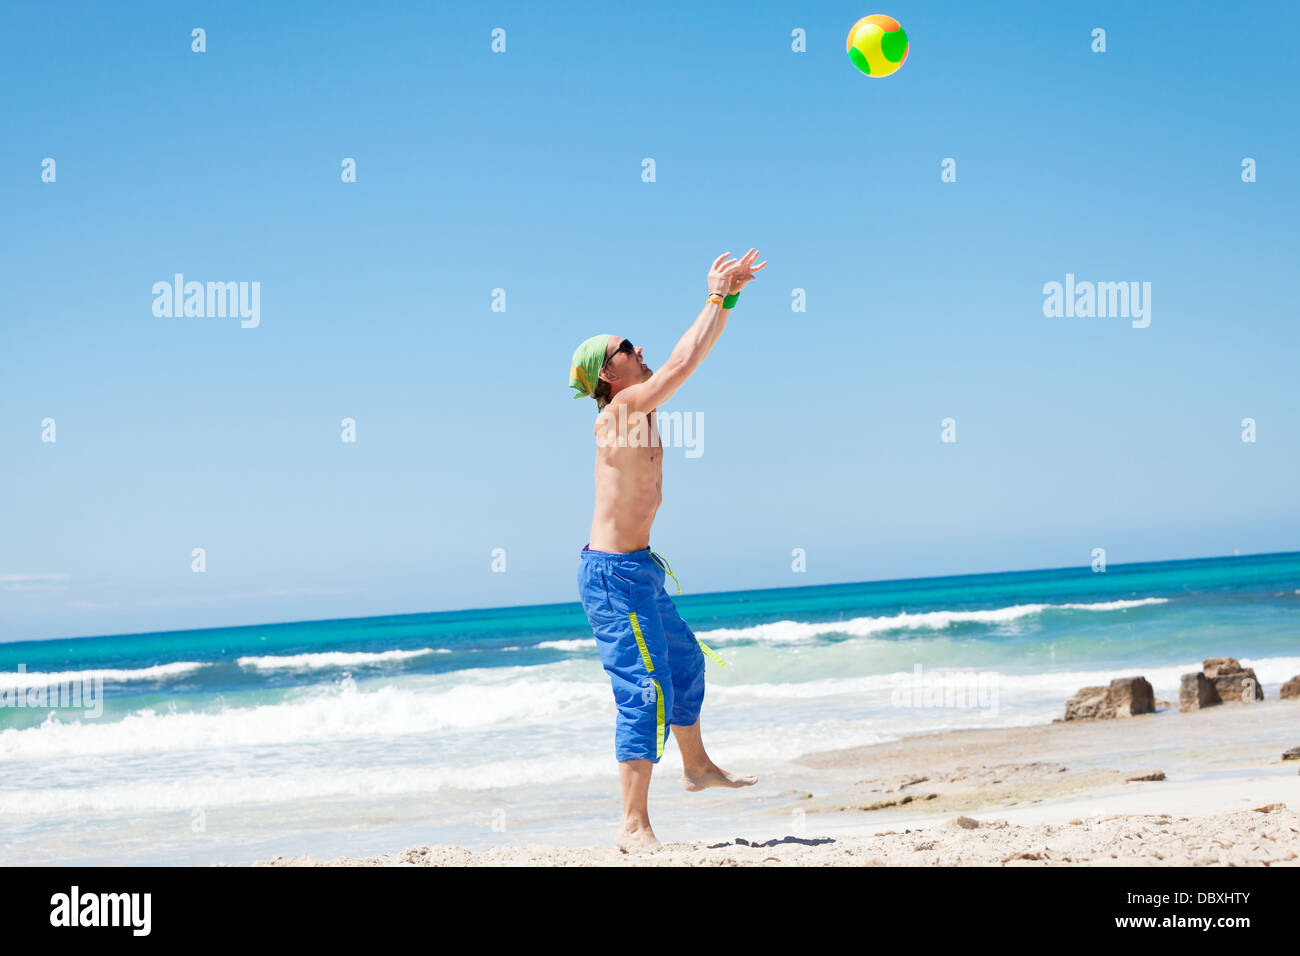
(654, 661)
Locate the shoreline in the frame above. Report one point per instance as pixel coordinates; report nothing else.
(1053, 794)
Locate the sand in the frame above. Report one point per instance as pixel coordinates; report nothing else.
(1208, 788)
(1239, 838)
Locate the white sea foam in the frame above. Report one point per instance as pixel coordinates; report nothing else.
(1111, 605)
(177, 761)
(216, 789)
(1052, 685)
(320, 714)
(581, 644)
(327, 660)
(1013, 688)
(25, 679)
(183, 786)
(800, 632)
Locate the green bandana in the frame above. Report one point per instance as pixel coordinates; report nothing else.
(584, 370)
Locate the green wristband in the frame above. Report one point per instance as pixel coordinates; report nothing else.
(730, 300)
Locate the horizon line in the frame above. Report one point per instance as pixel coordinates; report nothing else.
(505, 607)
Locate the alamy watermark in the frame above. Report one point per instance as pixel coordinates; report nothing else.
(674, 430)
(1098, 300)
(211, 300)
(947, 688)
(48, 692)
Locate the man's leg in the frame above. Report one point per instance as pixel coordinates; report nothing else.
(642, 719)
(634, 832)
(630, 640)
(686, 661)
(698, 771)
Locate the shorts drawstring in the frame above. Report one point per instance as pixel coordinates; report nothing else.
(657, 558)
(708, 651)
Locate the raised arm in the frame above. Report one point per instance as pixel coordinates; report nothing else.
(726, 276)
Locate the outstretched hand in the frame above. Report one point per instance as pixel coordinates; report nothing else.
(729, 276)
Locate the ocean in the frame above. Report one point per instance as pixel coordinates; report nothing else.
(365, 736)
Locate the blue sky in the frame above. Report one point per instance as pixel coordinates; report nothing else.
(522, 171)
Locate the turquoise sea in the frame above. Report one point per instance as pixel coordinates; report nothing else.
(365, 736)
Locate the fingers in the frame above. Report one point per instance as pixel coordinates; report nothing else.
(747, 263)
(723, 265)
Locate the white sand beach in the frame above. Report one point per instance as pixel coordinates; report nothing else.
(1208, 787)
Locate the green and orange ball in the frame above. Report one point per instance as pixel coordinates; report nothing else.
(877, 45)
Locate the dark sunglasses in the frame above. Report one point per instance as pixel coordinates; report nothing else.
(624, 346)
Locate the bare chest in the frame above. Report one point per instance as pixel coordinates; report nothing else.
(630, 438)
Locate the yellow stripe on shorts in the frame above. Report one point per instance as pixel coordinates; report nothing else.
(659, 718)
(640, 642)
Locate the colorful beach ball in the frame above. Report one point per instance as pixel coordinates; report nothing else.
(877, 45)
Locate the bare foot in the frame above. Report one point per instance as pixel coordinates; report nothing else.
(632, 837)
(714, 776)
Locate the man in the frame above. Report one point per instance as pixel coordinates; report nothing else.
(654, 661)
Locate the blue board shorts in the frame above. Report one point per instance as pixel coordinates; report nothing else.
(654, 661)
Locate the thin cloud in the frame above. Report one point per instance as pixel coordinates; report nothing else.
(34, 581)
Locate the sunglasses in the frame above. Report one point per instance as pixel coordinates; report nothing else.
(624, 346)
